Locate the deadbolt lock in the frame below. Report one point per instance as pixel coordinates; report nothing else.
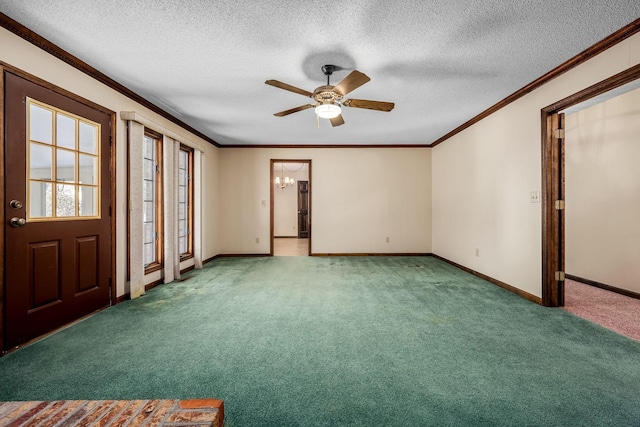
(16, 204)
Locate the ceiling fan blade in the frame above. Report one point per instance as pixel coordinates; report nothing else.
(276, 83)
(353, 81)
(337, 120)
(293, 110)
(370, 105)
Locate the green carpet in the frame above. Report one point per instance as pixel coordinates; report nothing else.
(341, 341)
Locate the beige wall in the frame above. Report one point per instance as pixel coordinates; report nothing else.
(602, 151)
(358, 198)
(25, 56)
(211, 205)
(483, 177)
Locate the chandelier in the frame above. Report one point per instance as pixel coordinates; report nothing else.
(283, 181)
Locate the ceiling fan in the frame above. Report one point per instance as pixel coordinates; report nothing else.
(329, 99)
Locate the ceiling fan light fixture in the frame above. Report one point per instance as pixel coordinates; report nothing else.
(328, 110)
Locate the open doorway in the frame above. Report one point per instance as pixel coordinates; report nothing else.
(602, 149)
(553, 185)
(290, 207)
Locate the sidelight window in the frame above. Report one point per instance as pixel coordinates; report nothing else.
(185, 202)
(152, 202)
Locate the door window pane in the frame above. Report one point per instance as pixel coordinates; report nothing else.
(88, 169)
(40, 161)
(40, 124)
(88, 201)
(65, 131)
(88, 138)
(65, 200)
(40, 199)
(66, 166)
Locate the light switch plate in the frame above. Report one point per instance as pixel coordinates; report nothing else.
(535, 197)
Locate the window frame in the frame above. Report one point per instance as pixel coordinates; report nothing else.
(76, 151)
(189, 211)
(158, 263)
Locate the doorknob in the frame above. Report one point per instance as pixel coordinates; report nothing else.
(17, 222)
(16, 204)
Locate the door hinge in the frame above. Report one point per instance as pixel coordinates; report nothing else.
(110, 211)
(559, 205)
(559, 134)
(559, 276)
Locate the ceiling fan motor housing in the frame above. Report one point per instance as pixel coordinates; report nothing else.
(325, 94)
(328, 69)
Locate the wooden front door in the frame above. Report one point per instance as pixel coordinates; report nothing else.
(303, 209)
(57, 210)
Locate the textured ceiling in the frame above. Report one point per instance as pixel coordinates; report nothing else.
(441, 62)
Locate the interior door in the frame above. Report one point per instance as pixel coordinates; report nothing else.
(57, 224)
(553, 212)
(303, 209)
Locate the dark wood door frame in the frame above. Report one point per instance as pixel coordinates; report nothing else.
(4, 68)
(553, 183)
(271, 202)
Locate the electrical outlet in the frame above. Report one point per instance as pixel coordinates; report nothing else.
(387, 240)
(535, 197)
(257, 240)
(263, 203)
(477, 252)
